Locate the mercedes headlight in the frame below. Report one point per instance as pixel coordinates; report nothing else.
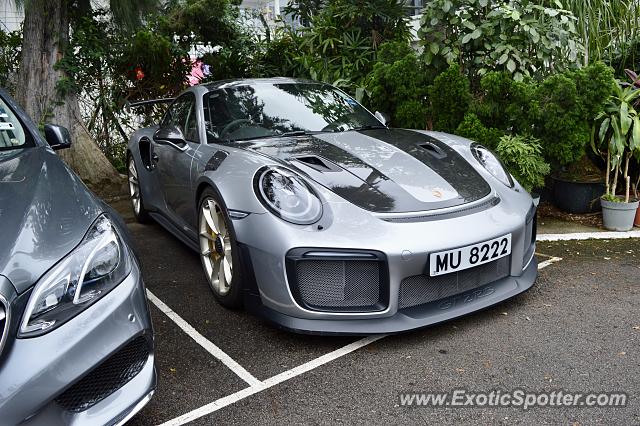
(91, 270)
(287, 195)
(492, 164)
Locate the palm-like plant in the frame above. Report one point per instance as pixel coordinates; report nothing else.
(617, 130)
(605, 25)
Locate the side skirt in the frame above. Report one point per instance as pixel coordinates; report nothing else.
(177, 232)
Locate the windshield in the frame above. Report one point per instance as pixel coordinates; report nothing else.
(12, 133)
(266, 109)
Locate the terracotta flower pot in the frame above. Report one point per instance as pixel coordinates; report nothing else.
(637, 221)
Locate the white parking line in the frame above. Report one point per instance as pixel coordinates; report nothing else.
(272, 381)
(548, 262)
(255, 385)
(605, 235)
(204, 342)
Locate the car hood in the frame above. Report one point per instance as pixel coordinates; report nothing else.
(381, 170)
(45, 210)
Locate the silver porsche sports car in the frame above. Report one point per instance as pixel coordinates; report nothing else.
(309, 210)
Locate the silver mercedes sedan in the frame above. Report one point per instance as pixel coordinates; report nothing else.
(76, 344)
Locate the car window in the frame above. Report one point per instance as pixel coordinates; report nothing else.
(178, 113)
(191, 126)
(12, 133)
(271, 109)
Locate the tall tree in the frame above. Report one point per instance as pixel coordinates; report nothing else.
(41, 88)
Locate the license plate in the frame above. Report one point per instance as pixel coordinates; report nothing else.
(445, 262)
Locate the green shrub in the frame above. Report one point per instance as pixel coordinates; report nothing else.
(10, 43)
(398, 86)
(566, 105)
(522, 156)
(504, 103)
(472, 128)
(516, 36)
(450, 97)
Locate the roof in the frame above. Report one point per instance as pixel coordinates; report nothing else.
(250, 81)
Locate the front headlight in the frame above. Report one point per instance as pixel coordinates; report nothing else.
(91, 270)
(287, 195)
(493, 165)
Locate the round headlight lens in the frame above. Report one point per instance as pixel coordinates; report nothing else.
(288, 196)
(492, 164)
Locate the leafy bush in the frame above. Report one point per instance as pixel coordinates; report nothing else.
(398, 85)
(522, 156)
(472, 128)
(503, 103)
(10, 43)
(450, 97)
(340, 45)
(559, 110)
(515, 36)
(566, 105)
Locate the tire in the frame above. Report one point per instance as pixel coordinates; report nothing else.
(135, 194)
(219, 252)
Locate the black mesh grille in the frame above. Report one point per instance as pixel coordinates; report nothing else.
(421, 289)
(338, 283)
(108, 377)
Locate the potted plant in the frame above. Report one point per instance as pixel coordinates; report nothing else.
(566, 104)
(617, 129)
(522, 156)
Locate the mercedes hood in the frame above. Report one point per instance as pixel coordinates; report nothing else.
(45, 211)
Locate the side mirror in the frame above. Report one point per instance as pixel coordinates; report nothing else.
(382, 117)
(172, 136)
(57, 137)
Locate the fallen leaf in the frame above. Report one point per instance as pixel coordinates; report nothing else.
(504, 313)
(622, 353)
(546, 304)
(607, 258)
(636, 327)
(460, 370)
(173, 370)
(528, 319)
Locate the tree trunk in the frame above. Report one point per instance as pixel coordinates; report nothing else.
(45, 37)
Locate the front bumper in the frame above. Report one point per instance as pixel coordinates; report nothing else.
(412, 318)
(268, 244)
(35, 373)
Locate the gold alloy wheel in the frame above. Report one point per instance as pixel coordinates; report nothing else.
(134, 187)
(215, 247)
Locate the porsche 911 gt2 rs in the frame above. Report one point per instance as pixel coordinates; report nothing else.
(309, 210)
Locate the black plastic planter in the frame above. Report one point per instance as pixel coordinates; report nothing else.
(577, 197)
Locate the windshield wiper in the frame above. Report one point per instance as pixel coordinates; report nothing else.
(300, 133)
(278, 135)
(369, 127)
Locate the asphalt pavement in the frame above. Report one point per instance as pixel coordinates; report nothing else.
(577, 330)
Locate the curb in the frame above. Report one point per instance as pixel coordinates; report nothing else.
(588, 236)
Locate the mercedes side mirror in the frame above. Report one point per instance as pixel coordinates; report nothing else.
(57, 137)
